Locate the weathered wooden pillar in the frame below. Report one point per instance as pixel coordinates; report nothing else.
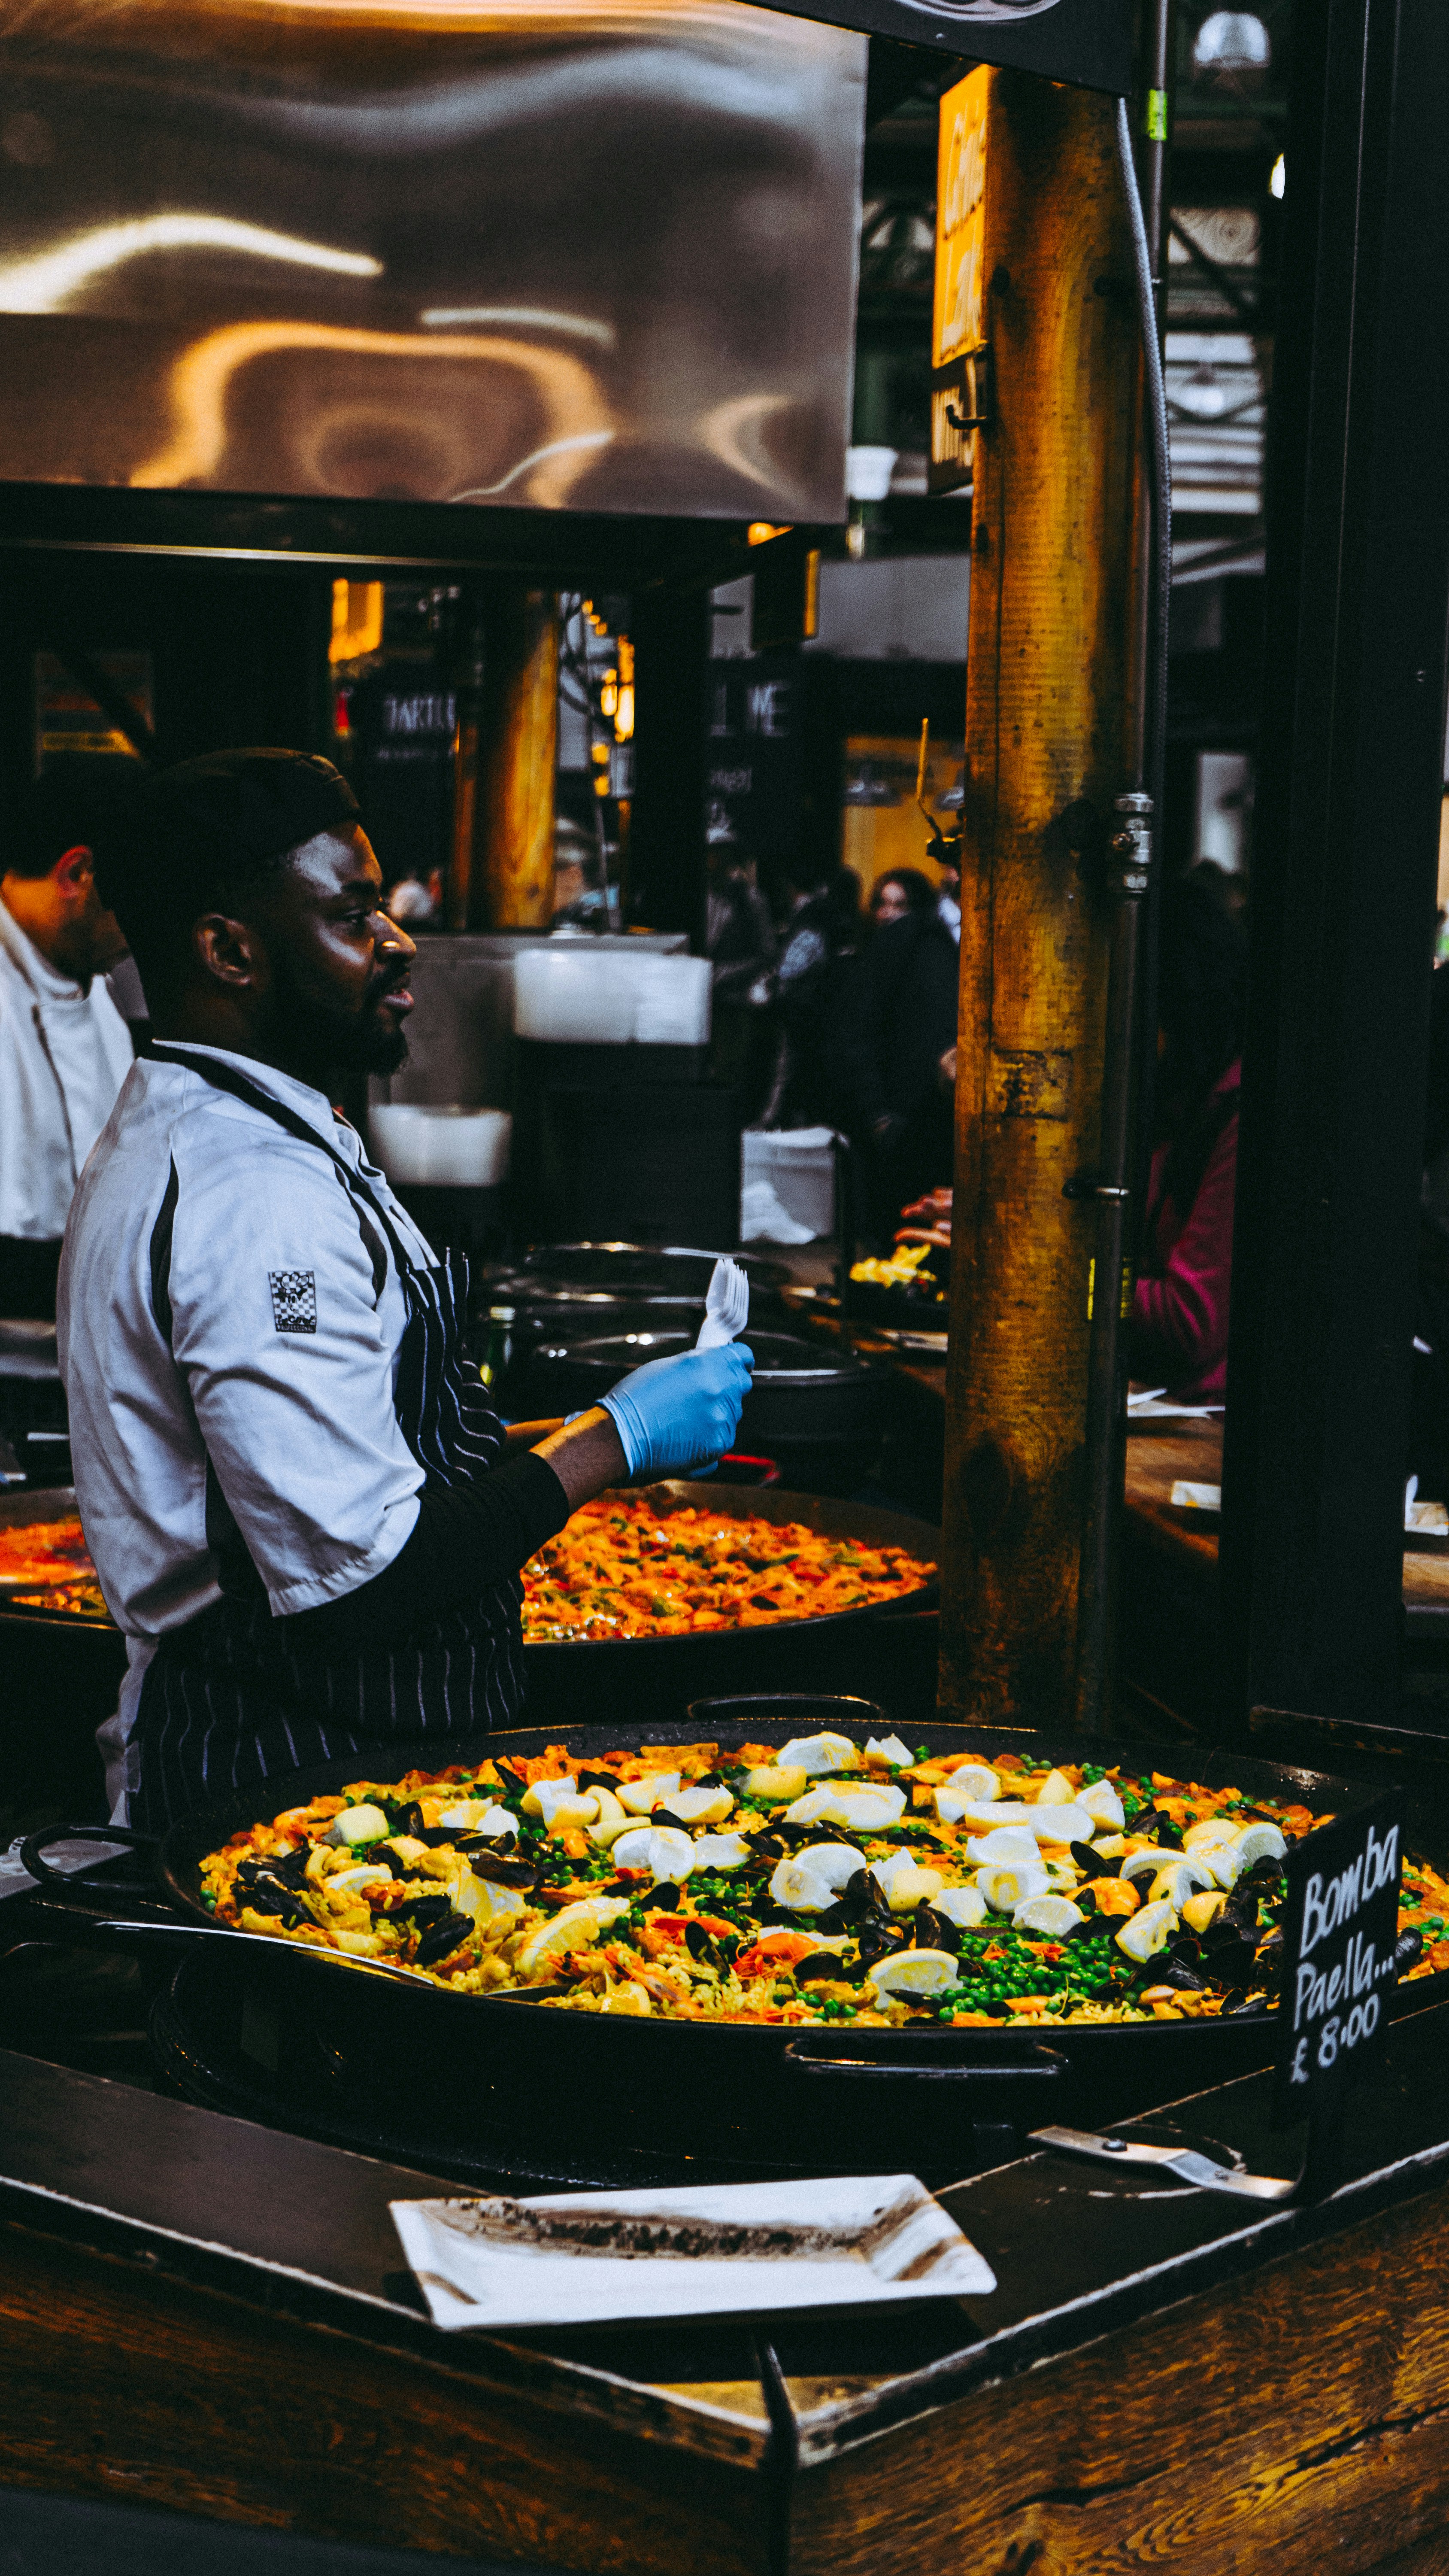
(511, 884)
(1046, 739)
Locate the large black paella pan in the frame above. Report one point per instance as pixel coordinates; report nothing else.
(623, 1681)
(478, 2085)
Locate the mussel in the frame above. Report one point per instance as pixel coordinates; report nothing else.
(286, 1869)
(1234, 1969)
(861, 1896)
(702, 1946)
(486, 1861)
(1166, 1833)
(1182, 1973)
(878, 1939)
(1263, 1874)
(422, 1910)
(662, 1898)
(818, 1964)
(441, 1937)
(273, 1900)
(1408, 1950)
(1095, 1864)
(935, 1931)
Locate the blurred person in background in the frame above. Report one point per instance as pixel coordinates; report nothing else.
(1178, 1334)
(740, 945)
(892, 1049)
(65, 1050)
(820, 933)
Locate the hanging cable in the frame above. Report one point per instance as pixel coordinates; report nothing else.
(1160, 476)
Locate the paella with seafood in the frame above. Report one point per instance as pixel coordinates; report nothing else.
(621, 1568)
(817, 1882)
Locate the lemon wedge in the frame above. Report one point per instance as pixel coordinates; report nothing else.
(359, 1825)
(816, 1753)
(914, 1972)
(664, 1849)
(1178, 1881)
(639, 1796)
(963, 1905)
(1049, 1915)
(1011, 1884)
(1261, 1842)
(720, 1851)
(814, 1877)
(569, 1930)
(867, 1807)
(1102, 1801)
(1149, 1931)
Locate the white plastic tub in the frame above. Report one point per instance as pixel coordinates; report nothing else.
(798, 1164)
(573, 993)
(441, 1148)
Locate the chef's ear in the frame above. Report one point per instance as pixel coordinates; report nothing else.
(231, 952)
(74, 873)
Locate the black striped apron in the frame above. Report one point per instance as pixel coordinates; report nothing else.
(225, 1702)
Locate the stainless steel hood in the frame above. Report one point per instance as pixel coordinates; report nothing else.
(520, 253)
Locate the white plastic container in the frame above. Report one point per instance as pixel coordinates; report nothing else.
(671, 1000)
(574, 993)
(442, 1148)
(799, 1165)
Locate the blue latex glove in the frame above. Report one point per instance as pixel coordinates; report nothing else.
(675, 1415)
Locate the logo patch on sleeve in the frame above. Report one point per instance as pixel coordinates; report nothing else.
(294, 1300)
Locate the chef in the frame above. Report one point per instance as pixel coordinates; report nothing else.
(64, 1048)
(304, 1515)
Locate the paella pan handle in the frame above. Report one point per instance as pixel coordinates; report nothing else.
(1039, 2065)
(33, 1849)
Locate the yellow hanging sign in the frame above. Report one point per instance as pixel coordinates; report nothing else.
(958, 332)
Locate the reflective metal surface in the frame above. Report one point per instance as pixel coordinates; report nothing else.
(532, 253)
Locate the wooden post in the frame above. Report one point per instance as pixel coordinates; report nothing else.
(1046, 751)
(512, 875)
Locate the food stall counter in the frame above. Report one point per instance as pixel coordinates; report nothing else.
(205, 2315)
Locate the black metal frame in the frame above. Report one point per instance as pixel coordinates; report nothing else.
(560, 547)
(1344, 874)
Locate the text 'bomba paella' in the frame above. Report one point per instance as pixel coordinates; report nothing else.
(623, 1568)
(814, 1882)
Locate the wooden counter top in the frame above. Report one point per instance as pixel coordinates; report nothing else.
(203, 2314)
(1155, 1461)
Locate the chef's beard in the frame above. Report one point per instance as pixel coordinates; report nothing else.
(365, 1041)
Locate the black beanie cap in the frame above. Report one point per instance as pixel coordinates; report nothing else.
(253, 806)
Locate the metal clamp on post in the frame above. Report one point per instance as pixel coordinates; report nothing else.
(1131, 847)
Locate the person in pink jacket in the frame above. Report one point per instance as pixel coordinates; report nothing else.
(1178, 1337)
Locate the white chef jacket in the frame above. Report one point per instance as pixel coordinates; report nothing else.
(286, 1320)
(64, 1055)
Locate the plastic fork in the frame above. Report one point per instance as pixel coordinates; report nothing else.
(726, 1305)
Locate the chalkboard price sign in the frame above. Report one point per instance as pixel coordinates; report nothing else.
(1340, 1926)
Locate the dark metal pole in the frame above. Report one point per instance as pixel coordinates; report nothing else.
(1129, 881)
(1345, 843)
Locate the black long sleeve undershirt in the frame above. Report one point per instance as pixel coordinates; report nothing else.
(466, 1538)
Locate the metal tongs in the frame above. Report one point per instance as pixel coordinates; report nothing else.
(1185, 2164)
